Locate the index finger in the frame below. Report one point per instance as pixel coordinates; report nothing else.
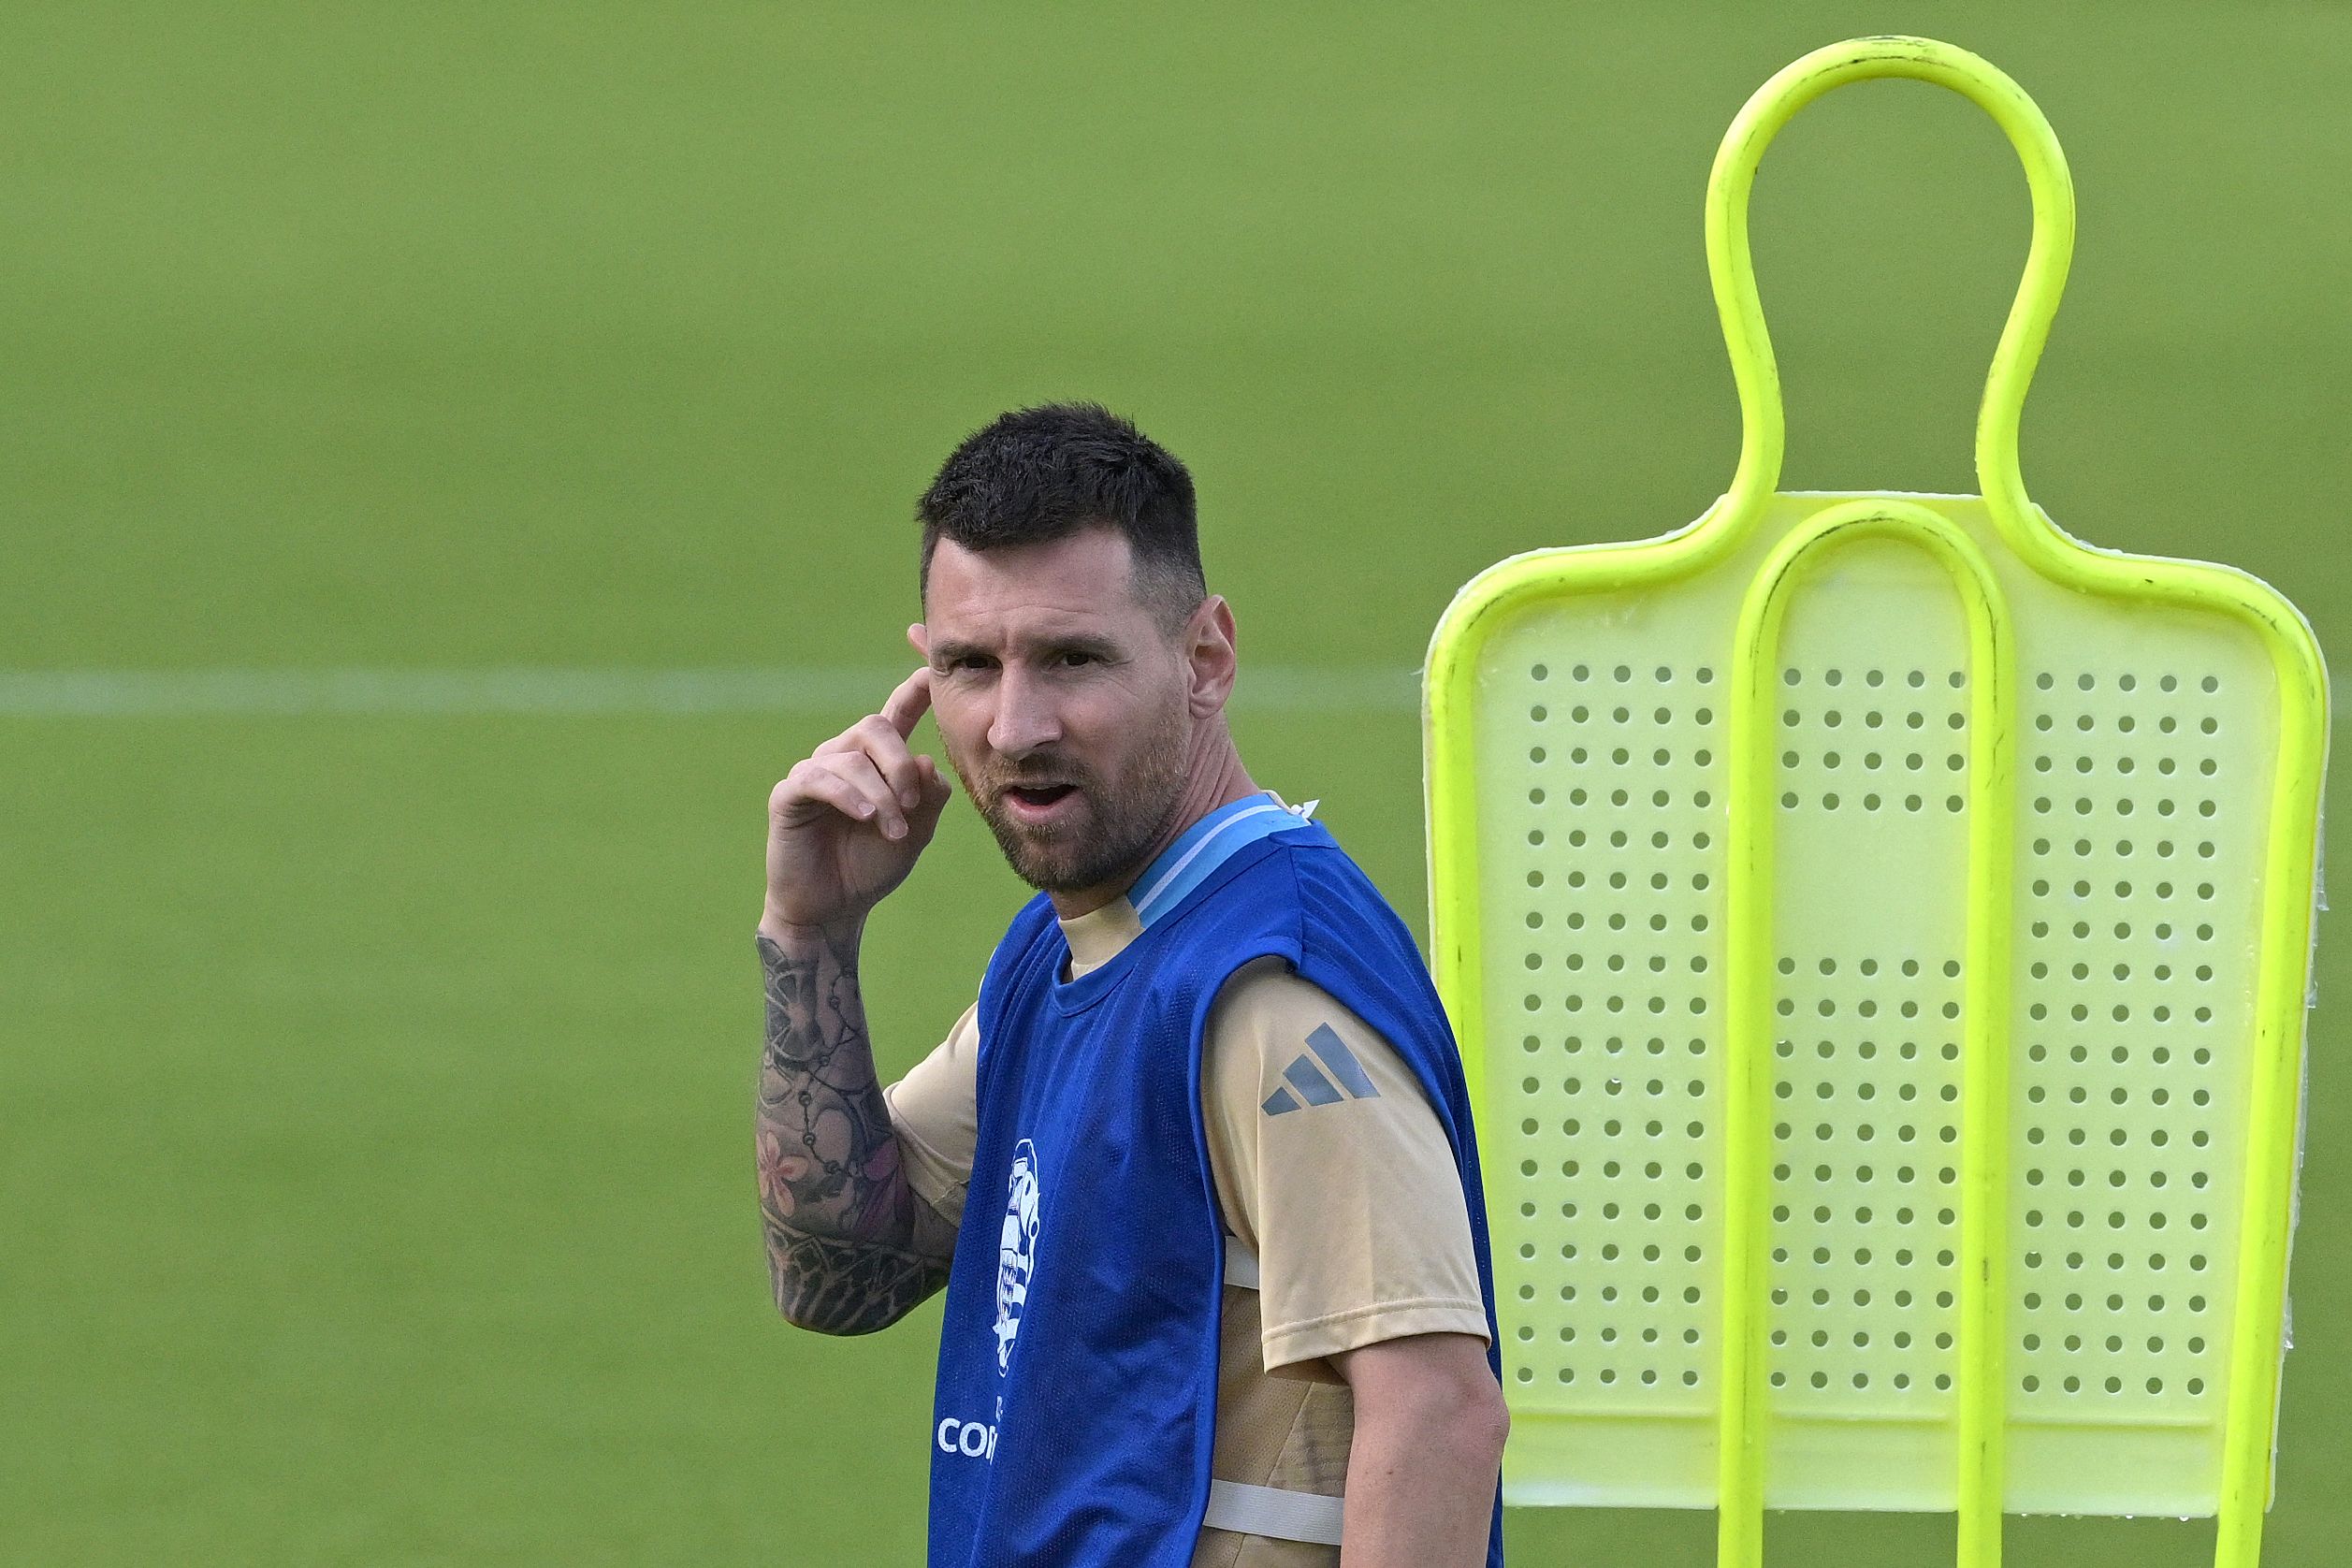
(909, 703)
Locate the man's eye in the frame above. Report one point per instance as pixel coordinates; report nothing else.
(1071, 659)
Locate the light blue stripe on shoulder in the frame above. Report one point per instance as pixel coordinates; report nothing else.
(1185, 864)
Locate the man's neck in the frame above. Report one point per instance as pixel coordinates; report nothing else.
(1220, 783)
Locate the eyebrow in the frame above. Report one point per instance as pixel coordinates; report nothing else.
(947, 650)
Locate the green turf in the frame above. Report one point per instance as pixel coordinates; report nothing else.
(374, 1104)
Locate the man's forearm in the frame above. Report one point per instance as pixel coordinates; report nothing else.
(1421, 1468)
(848, 1250)
(1420, 1495)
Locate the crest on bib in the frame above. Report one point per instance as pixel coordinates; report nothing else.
(1017, 1248)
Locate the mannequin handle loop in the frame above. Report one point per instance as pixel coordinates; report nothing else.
(1730, 267)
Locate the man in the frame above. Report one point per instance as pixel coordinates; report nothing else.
(1196, 1168)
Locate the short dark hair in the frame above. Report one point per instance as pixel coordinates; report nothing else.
(1038, 475)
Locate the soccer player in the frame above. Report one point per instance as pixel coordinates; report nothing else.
(1197, 1167)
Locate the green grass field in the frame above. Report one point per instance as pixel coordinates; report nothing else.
(375, 1096)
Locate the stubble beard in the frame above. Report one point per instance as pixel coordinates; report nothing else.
(1112, 834)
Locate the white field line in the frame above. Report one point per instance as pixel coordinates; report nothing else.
(534, 689)
(528, 689)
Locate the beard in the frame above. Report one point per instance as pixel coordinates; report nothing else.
(1107, 832)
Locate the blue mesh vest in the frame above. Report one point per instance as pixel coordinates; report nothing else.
(1078, 1361)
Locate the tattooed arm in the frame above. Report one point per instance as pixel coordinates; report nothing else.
(850, 1248)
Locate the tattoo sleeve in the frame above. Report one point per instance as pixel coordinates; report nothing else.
(850, 1248)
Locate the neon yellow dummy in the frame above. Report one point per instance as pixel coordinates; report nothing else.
(1878, 926)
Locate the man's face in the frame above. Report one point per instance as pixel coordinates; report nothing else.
(1063, 704)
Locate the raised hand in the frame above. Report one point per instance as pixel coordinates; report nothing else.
(847, 824)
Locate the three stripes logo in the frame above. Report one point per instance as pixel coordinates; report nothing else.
(1312, 1083)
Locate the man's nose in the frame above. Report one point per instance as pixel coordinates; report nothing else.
(1026, 718)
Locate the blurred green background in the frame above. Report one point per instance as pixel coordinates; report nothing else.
(375, 1084)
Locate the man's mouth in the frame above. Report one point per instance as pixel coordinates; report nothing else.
(1037, 802)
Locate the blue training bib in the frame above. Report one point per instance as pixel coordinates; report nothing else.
(1078, 1361)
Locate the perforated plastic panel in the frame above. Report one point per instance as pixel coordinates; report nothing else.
(1877, 927)
(2143, 765)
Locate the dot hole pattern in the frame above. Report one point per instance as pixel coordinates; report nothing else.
(2123, 1100)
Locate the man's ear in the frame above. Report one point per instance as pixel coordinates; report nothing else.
(918, 638)
(1211, 649)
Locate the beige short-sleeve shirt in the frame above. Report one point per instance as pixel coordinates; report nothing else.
(1352, 1207)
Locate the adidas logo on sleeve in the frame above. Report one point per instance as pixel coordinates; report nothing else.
(1312, 1074)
